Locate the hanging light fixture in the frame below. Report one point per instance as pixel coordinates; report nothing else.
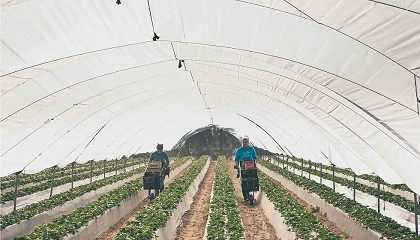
(118, 2)
(155, 37)
(180, 63)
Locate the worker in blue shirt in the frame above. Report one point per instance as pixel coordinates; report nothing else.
(162, 156)
(244, 153)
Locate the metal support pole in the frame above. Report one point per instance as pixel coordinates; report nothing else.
(309, 170)
(379, 195)
(52, 180)
(294, 166)
(416, 220)
(125, 165)
(116, 165)
(287, 162)
(301, 170)
(104, 167)
(320, 177)
(333, 166)
(72, 174)
(383, 189)
(16, 187)
(282, 160)
(91, 171)
(354, 187)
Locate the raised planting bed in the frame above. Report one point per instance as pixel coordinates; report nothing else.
(34, 210)
(67, 178)
(224, 217)
(82, 215)
(349, 172)
(304, 223)
(149, 220)
(387, 196)
(25, 179)
(368, 217)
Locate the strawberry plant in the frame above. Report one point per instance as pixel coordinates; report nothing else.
(71, 222)
(225, 220)
(385, 195)
(304, 223)
(45, 175)
(362, 214)
(155, 215)
(57, 182)
(39, 207)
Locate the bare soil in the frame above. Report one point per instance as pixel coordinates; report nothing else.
(194, 221)
(256, 224)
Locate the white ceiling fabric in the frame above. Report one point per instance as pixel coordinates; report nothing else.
(331, 81)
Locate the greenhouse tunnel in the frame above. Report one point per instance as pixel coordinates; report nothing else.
(334, 82)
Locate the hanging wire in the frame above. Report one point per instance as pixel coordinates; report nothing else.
(90, 142)
(155, 36)
(417, 95)
(264, 131)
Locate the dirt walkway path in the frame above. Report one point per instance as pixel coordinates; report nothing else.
(256, 224)
(194, 221)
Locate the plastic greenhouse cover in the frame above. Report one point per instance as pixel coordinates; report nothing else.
(313, 79)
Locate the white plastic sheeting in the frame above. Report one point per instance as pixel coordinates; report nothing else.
(331, 81)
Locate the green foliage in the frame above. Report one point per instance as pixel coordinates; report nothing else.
(39, 207)
(225, 220)
(71, 222)
(367, 177)
(304, 223)
(365, 215)
(385, 195)
(80, 174)
(45, 175)
(211, 141)
(158, 211)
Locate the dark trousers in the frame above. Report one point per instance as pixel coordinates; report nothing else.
(245, 192)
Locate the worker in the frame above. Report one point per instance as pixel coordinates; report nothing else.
(244, 153)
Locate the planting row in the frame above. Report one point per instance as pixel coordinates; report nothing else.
(365, 215)
(45, 175)
(71, 222)
(59, 199)
(225, 221)
(385, 195)
(156, 214)
(303, 222)
(9, 196)
(349, 172)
